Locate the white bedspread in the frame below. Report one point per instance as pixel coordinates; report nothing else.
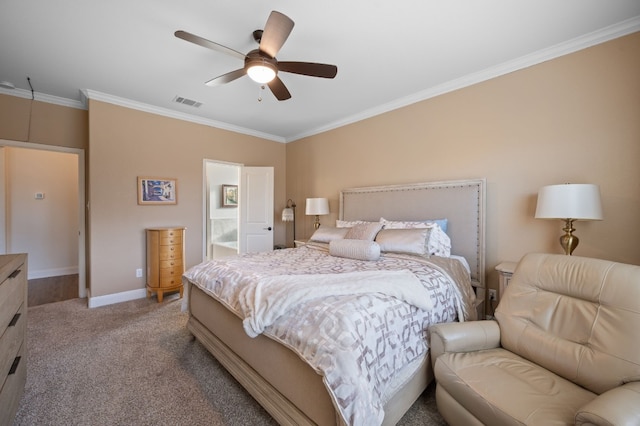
(266, 299)
(364, 344)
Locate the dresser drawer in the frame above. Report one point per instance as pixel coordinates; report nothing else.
(13, 387)
(170, 252)
(12, 294)
(174, 241)
(11, 340)
(171, 263)
(171, 272)
(171, 281)
(170, 233)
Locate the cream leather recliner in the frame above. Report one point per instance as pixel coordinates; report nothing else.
(564, 349)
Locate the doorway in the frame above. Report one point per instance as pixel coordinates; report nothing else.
(43, 215)
(221, 211)
(241, 222)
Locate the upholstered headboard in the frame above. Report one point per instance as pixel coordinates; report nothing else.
(461, 202)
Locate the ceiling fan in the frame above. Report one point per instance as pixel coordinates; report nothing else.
(261, 64)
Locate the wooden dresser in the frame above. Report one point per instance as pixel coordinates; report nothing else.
(165, 260)
(13, 333)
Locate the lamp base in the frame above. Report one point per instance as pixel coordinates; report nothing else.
(316, 224)
(568, 241)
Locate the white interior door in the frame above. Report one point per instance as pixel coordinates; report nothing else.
(256, 209)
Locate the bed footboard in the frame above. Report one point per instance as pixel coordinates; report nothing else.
(286, 386)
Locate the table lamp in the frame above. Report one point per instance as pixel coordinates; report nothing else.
(317, 207)
(569, 202)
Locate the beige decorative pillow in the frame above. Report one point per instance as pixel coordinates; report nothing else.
(325, 234)
(355, 249)
(412, 241)
(366, 231)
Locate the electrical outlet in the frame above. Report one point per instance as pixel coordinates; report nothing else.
(138, 273)
(493, 295)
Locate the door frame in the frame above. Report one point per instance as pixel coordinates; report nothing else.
(82, 274)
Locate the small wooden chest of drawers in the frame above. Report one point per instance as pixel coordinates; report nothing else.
(13, 330)
(165, 260)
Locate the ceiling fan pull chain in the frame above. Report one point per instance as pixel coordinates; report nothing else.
(260, 90)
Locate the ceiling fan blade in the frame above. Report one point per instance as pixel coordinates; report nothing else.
(208, 44)
(278, 89)
(309, 68)
(226, 78)
(276, 31)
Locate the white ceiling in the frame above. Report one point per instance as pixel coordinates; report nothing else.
(389, 54)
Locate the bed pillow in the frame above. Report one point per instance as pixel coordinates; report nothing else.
(325, 234)
(350, 223)
(436, 242)
(364, 231)
(355, 249)
(402, 224)
(412, 241)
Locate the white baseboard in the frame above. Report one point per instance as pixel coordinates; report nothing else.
(109, 299)
(55, 272)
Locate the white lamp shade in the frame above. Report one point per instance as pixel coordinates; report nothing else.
(287, 214)
(569, 201)
(317, 206)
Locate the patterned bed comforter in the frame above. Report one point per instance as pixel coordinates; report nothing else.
(359, 343)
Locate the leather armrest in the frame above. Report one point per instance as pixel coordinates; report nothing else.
(463, 337)
(618, 406)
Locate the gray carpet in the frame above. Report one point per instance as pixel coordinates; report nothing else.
(135, 363)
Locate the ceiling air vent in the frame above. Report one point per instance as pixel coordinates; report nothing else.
(189, 102)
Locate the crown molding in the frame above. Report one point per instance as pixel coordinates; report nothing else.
(603, 35)
(43, 97)
(128, 103)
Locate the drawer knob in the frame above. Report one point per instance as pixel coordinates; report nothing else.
(14, 273)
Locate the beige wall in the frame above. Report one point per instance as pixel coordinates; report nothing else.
(24, 120)
(124, 144)
(573, 119)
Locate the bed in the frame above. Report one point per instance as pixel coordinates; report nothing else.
(276, 369)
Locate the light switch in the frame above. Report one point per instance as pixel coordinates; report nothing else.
(39, 195)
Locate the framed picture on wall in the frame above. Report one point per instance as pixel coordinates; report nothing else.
(229, 195)
(156, 190)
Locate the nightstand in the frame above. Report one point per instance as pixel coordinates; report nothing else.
(505, 269)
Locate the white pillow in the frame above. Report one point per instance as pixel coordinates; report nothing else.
(350, 223)
(403, 224)
(355, 249)
(436, 241)
(325, 234)
(364, 231)
(412, 241)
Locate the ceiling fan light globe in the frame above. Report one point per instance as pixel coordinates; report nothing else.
(261, 73)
